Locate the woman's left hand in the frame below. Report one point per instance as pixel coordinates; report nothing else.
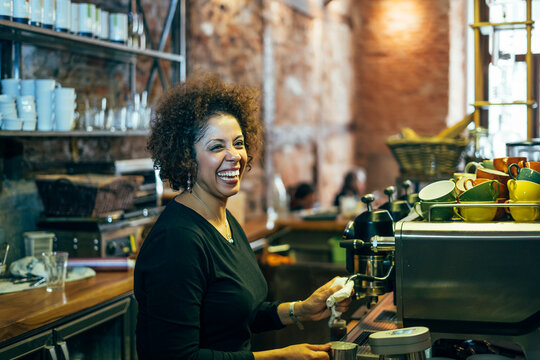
(314, 307)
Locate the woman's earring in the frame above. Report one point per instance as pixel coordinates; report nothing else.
(188, 185)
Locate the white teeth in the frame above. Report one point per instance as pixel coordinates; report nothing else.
(229, 173)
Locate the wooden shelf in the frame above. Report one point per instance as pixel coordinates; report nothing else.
(101, 133)
(485, 104)
(487, 28)
(42, 37)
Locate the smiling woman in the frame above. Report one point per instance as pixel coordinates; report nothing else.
(199, 288)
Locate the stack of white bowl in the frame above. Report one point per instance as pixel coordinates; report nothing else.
(26, 107)
(10, 121)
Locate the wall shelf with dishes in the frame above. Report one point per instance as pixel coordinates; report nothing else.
(126, 46)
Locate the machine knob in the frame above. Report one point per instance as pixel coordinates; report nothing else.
(111, 248)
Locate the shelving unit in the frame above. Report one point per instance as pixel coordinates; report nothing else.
(482, 28)
(13, 35)
(13, 31)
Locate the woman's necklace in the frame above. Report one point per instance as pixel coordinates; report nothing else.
(228, 229)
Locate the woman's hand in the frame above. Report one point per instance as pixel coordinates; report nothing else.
(314, 307)
(296, 352)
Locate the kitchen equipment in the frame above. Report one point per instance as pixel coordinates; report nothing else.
(529, 149)
(409, 195)
(88, 195)
(464, 280)
(397, 208)
(116, 235)
(37, 242)
(401, 344)
(370, 263)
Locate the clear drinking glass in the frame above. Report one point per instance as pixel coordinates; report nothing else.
(56, 267)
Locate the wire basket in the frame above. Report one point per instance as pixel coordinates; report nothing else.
(86, 195)
(426, 158)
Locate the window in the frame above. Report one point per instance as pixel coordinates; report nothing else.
(505, 71)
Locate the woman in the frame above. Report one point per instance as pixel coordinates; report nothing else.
(198, 285)
(354, 184)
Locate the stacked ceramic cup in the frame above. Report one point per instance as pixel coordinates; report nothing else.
(44, 89)
(436, 201)
(26, 108)
(9, 118)
(10, 87)
(524, 188)
(64, 108)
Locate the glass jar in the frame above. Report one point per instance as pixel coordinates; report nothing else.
(479, 147)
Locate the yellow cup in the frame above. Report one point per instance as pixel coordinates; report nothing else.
(524, 213)
(523, 190)
(476, 213)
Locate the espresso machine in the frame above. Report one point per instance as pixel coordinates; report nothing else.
(461, 280)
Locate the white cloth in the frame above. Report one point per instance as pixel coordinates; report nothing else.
(339, 296)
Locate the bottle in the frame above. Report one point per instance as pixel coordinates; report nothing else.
(479, 147)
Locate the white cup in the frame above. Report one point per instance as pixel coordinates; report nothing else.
(118, 27)
(44, 103)
(10, 87)
(44, 85)
(104, 27)
(62, 15)
(36, 13)
(28, 87)
(64, 96)
(74, 24)
(86, 19)
(6, 9)
(63, 119)
(21, 11)
(29, 125)
(48, 14)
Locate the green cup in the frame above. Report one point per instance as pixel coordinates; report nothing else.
(439, 191)
(486, 191)
(445, 213)
(488, 164)
(524, 174)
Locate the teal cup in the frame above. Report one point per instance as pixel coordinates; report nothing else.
(442, 213)
(524, 174)
(486, 191)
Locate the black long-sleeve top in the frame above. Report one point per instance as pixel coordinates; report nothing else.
(199, 296)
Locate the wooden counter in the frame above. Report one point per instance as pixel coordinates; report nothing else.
(256, 228)
(24, 311)
(29, 311)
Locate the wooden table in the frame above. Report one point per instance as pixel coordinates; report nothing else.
(29, 310)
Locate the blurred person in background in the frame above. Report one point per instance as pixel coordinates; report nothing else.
(303, 197)
(354, 185)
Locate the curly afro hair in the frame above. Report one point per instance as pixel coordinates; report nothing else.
(182, 117)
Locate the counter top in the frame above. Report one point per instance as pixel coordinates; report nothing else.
(28, 310)
(256, 228)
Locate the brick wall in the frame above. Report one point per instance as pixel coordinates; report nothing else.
(338, 80)
(401, 51)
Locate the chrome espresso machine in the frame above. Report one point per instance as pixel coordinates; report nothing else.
(462, 280)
